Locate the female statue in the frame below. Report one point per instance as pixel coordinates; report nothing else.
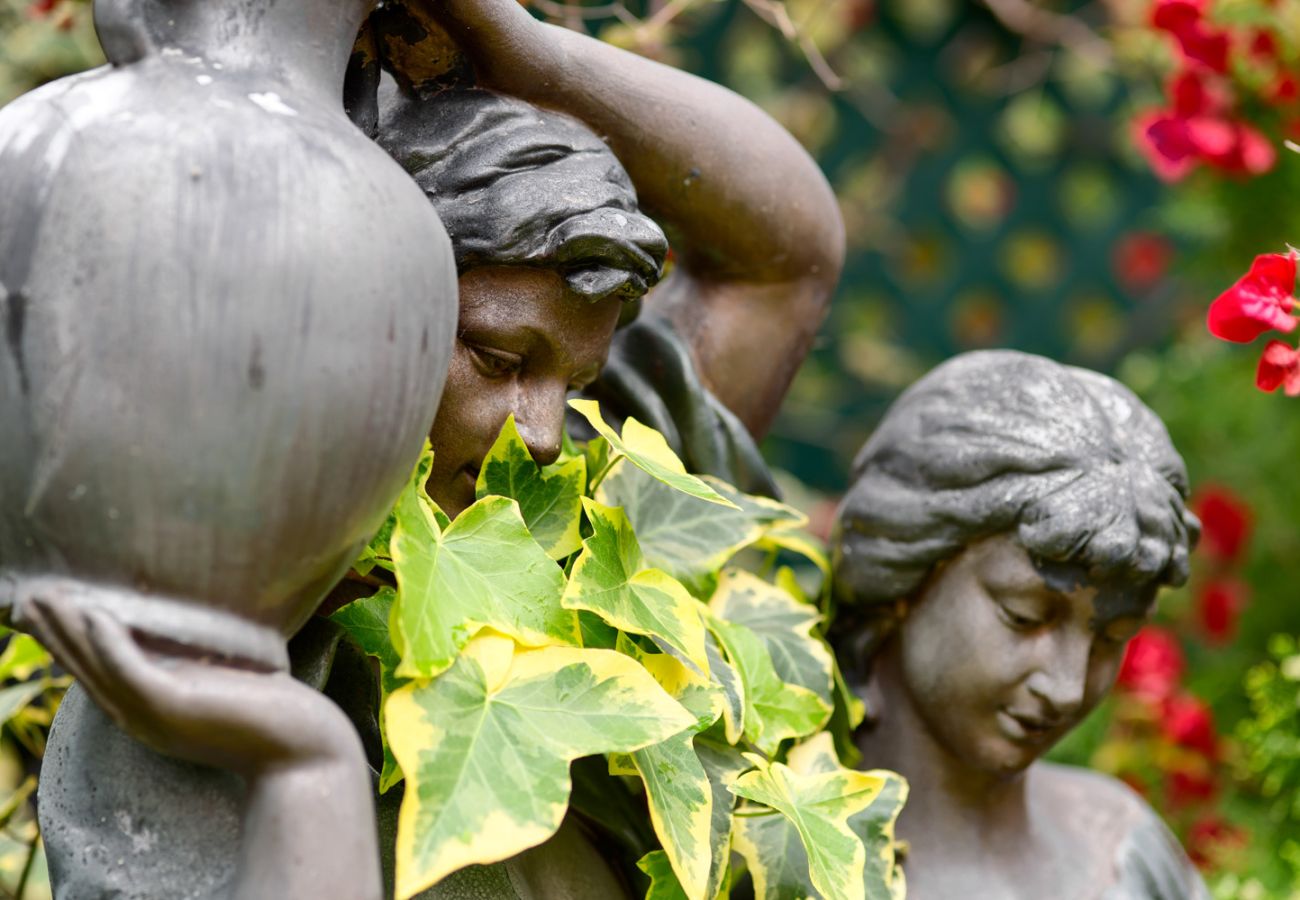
(1008, 527)
(550, 246)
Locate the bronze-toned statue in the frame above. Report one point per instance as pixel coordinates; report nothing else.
(550, 245)
(1006, 532)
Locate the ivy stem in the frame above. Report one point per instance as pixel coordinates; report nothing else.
(593, 483)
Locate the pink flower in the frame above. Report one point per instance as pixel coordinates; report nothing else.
(1153, 664)
(1188, 722)
(1218, 607)
(1174, 144)
(1279, 366)
(1259, 301)
(1225, 522)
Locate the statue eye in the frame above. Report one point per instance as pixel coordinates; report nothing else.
(1019, 620)
(494, 363)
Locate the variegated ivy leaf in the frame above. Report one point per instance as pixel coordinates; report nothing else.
(16, 698)
(804, 545)
(486, 747)
(848, 714)
(378, 552)
(483, 570)
(761, 837)
(783, 623)
(610, 579)
(22, 657)
(366, 620)
(818, 805)
(549, 497)
(647, 450)
(689, 538)
(723, 764)
(724, 674)
(663, 883)
(774, 710)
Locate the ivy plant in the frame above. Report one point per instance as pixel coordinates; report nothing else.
(597, 609)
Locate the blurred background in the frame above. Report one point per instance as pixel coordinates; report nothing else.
(1077, 179)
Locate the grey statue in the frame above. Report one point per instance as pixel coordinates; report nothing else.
(1006, 532)
(552, 247)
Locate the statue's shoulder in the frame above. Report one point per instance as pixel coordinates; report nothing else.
(1121, 830)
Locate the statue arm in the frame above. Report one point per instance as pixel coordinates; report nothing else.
(308, 828)
(755, 227)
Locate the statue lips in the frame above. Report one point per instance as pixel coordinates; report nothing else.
(1027, 728)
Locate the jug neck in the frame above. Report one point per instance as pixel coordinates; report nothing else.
(305, 44)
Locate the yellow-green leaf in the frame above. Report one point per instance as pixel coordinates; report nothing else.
(15, 699)
(663, 883)
(774, 710)
(549, 497)
(818, 804)
(610, 579)
(783, 623)
(647, 450)
(801, 543)
(723, 764)
(681, 808)
(22, 657)
(366, 620)
(724, 674)
(486, 747)
(689, 538)
(482, 571)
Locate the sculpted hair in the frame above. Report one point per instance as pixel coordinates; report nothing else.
(519, 185)
(1068, 461)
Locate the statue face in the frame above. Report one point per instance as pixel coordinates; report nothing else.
(1000, 658)
(524, 340)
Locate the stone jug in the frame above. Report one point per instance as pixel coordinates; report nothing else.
(225, 320)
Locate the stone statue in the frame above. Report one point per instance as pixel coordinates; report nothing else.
(1007, 529)
(550, 245)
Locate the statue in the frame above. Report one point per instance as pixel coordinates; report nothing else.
(181, 341)
(550, 247)
(1007, 529)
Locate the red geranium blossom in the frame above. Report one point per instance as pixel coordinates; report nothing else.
(1225, 522)
(1153, 664)
(1259, 301)
(1188, 722)
(1279, 367)
(1211, 839)
(1199, 41)
(1185, 786)
(1174, 144)
(1218, 606)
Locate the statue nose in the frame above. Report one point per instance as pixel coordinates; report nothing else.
(1060, 683)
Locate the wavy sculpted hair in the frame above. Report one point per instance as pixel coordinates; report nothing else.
(516, 185)
(1068, 461)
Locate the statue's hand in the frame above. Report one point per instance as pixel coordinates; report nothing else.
(202, 712)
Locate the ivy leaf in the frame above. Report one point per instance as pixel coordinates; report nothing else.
(486, 747)
(689, 538)
(724, 674)
(783, 623)
(648, 450)
(818, 804)
(483, 570)
(663, 883)
(549, 497)
(848, 714)
(681, 808)
(16, 698)
(609, 578)
(723, 764)
(760, 837)
(366, 620)
(804, 545)
(774, 710)
(22, 657)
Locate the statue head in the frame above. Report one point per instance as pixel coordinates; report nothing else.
(550, 247)
(1007, 528)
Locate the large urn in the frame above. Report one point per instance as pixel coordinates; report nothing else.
(225, 320)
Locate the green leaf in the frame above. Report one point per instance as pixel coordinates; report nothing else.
(483, 571)
(723, 764)
(550, 497)
(774, 710)
(22, 657)
(783, 623)
(663, 883)
(366, 620)
(775, 841)
(848, 714)
(689, 538)
(681, 808)
(818, 804)
(15, 699)
(486, 747)
(610, 579)
(647, 450)
(801, 543)
(724, 674)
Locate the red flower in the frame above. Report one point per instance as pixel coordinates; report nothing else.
(1174, 144)
(1211, 838)
(1141, 259)
(1188, 722)
(1183, 787)
(1200, 42)
(1263, 45)
(1260, 300)
(1153, 664)
(40, 8)
(1194, 94)
(1279, 366)
(1225, 522)
(1284, 89)
(1218, 605)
